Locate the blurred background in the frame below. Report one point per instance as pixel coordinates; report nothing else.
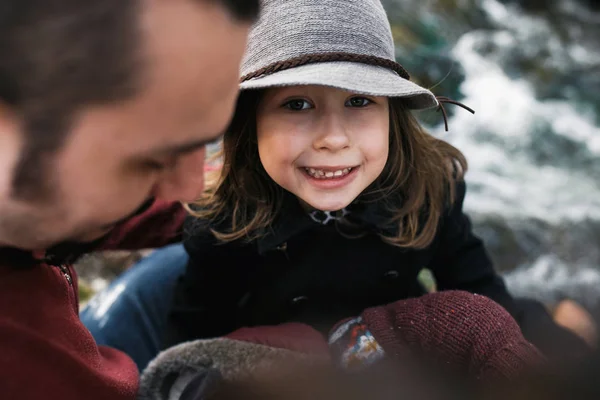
(531, 71)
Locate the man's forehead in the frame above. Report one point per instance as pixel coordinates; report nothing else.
(193, 53)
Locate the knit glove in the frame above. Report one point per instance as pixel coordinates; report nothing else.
(193, 370)
(466, 333)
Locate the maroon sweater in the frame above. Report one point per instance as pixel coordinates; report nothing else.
(45, 351)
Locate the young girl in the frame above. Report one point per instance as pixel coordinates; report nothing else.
(332, 198)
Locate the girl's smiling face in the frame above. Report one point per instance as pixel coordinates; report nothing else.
(324, 145)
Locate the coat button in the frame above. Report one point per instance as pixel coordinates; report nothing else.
(282, 247)
(299, 300)
(391, 274)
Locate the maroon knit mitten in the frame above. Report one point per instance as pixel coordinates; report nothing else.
(464, 331)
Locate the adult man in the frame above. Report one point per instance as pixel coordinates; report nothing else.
(105, 109)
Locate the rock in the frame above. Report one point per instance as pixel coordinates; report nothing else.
(514, 242)
(95, 271)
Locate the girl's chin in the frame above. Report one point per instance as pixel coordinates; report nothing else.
(324, 206)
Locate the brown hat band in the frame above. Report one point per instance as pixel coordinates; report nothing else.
(327, 57)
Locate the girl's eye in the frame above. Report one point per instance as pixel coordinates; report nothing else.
(297, 105)
(358, 102)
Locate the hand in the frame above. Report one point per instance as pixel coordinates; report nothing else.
(193, 370)
(575, 318)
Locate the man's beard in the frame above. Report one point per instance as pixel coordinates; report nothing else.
(14, 233)
(140, 210)
(16, 258)
(65, 251)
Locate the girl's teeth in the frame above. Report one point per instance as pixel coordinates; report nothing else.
(316, 173)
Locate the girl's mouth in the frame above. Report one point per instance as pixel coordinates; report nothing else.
(320, 173)
(329, 178)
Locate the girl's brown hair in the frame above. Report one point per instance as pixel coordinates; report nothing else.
(421, 169)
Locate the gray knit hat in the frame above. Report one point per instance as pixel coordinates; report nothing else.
(345, 44)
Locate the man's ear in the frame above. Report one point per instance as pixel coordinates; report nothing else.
(9, 120)
(11, 142)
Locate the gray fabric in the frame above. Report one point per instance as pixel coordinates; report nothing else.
(357, 78)
(293, 28)
(180, 384)
(234, 359)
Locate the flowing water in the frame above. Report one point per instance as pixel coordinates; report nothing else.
(531, 70)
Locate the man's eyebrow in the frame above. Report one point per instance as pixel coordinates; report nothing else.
(186, 147)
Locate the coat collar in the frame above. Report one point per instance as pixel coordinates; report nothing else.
(292, 220)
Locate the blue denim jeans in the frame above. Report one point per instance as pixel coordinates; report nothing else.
(131, 314)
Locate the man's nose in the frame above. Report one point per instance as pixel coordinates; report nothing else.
(185, 182)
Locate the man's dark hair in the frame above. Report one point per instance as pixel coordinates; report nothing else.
(245, 10)
(58, 56)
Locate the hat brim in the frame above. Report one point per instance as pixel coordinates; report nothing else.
(355, 77)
